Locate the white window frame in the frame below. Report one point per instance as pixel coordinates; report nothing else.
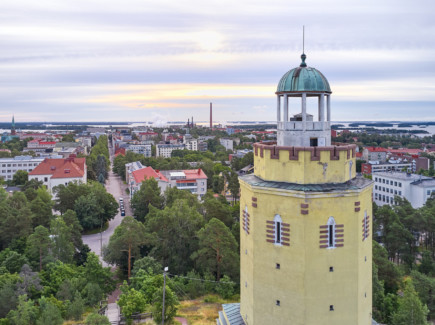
(278, 229)
(331, 232)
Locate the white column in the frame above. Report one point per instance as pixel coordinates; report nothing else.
(285, 108)
(322, 108)
(278, 108)
(328, 108)
(304, 110)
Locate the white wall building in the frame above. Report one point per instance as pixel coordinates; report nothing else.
(165, 150)
(415, 188)
(227, 143)
(193, 180)
(143, 149)
(9, 166)
(54, 172)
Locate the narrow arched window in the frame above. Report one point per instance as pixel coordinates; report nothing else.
(278, 226)
(366, 226)
(246, 220)
(331, 232)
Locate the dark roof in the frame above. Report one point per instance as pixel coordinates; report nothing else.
(354, 184)
(232, 311)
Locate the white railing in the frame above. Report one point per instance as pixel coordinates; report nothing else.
(299, 126)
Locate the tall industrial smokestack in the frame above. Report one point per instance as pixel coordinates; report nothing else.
(211, 116)
(193, 125)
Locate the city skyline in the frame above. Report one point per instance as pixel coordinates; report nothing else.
(166, 61)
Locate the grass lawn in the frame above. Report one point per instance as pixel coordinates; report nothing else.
(202, 311)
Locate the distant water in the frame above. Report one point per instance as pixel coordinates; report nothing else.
(429, 128)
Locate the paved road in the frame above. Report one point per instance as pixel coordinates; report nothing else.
(116, 187)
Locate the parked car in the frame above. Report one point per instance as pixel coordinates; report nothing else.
(122, 213)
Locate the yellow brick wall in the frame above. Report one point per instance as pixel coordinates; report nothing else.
(303, 284)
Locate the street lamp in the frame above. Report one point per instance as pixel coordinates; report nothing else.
(164, 287)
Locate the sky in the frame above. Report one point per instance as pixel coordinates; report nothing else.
(166, 60)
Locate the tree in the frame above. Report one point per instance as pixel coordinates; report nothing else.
(88, 211)
(147, 264)
(20, 177)
(218, 249)
(94, 272)
(131, 301)
(218, 210)
(49, 313)
(25, 314)
(127, 238)
(76, 308)
(173, 235)
(63, 247)
(171, 305)
(96, 319)
(149, 194)
(233, 185)
(410, 311)
(38, 244)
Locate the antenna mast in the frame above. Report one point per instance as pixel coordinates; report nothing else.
(303, 39)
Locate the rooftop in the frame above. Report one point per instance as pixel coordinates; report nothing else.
(61, 168)
(144, 173)
(402, 176)
(303, 79)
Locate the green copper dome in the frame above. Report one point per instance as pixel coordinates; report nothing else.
(303, 79)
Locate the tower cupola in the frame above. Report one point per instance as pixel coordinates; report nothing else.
(296, 127)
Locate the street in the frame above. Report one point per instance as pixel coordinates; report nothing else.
(116, 187)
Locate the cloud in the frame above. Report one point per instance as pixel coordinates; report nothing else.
(86, 56)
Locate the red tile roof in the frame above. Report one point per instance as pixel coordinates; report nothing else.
(194, 174)
(376, 149)
(406, 150)
(61, 168)
(144, 173)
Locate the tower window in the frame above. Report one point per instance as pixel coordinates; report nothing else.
(331, 307)
(331, 269)
(278, 224)
(331, 232)
(331, 236)
(278, 303)
(278, 266)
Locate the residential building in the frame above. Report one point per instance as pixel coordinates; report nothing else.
(9, 166)
(415, 188)
(40, 146)
(130, 168)
(193, 180)
(143, 149)
(191, 144)
(54, 172)
(375, 167)
(227, 143)
(374, 154)
(140, 175)
(165, 150)
(202, 146)
(146, 136)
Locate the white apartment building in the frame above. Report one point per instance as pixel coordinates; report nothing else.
(191, 144)
(9, 166)
(165, 150)
(192, 180)
(143, 149)
(415, 188)
(227, 143)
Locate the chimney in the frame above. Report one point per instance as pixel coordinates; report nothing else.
(211, 116)
(192, 122)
